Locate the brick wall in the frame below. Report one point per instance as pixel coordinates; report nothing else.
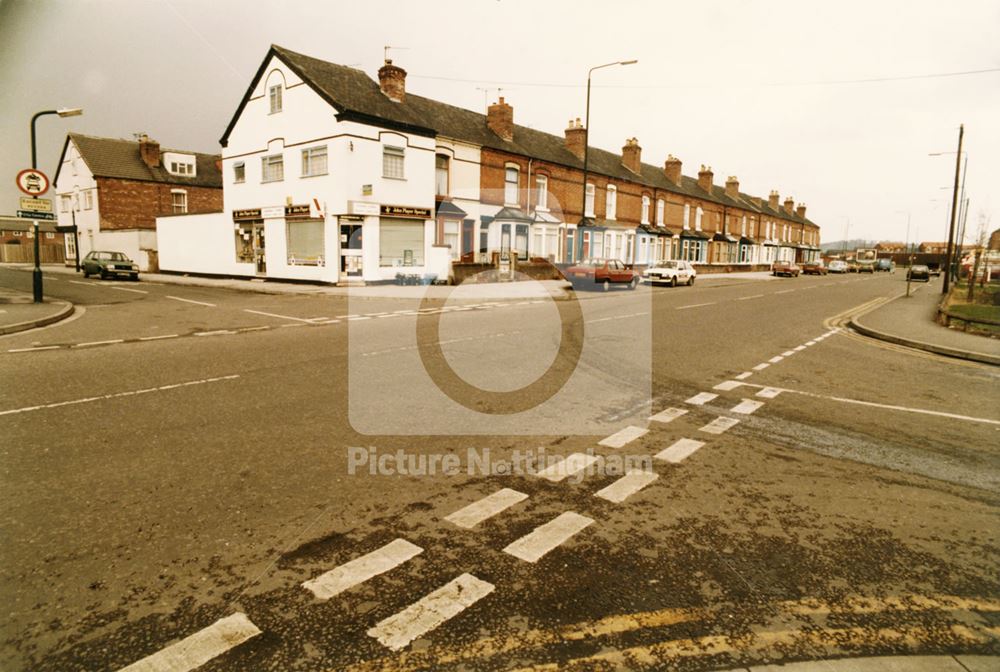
(128, 204)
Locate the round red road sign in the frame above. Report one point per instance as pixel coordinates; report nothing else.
(32, 182)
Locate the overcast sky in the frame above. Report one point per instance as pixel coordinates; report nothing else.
(767, 91)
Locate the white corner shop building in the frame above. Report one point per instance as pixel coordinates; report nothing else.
(326, 177)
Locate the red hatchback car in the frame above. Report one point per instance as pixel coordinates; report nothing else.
(814, 268)
(602, 273)
(789, 268)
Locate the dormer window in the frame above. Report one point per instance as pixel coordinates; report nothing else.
(183, 165)
(178, 168)
(274, 93)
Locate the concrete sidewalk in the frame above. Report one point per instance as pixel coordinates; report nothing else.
(957, 663)
(910, 321)
(18, 312)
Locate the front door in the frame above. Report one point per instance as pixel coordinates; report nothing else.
(259, 256)
(350, 249)
(468, 240)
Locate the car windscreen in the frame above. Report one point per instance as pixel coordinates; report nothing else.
(665, 264)
(118, 256)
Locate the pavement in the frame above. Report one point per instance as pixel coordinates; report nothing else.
(18, 312)
(888, 664)
(910, 321)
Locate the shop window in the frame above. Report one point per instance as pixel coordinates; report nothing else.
(272, 168)
(239, 172)
(392, 162)
(178, 201)
(244, 243)
(274, 93)
(306, 241)
(510, 184)
(401, 243)
(314, 161)
(441, 175)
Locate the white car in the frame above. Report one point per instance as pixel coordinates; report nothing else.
(837, 266)
(671, 273)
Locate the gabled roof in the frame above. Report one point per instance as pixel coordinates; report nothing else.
(117, 158)
(357, 97)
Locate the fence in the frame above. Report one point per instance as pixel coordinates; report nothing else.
(25, 254)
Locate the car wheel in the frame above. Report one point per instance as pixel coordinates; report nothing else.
(104, 274)
(86, 273)
(606, 285)
(673, 281)
(634, 283)
(690, 281)
(134, 277)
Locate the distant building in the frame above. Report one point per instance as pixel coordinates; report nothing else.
(891, 248)
(17, 241)
(994, 243)
(115, 189)
(933, 248)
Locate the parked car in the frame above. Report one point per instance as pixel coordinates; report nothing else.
(601, 273)
(919, 272)
(885, 265)
(814, 268)
(837, 266)
(852, 267)
(108, 264)
(671, 273)
(787, 268)
(866, 267)
(935, 269)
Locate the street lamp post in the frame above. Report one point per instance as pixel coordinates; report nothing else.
(36, 275)
(586, 136)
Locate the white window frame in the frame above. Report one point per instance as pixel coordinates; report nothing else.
(645, 209)
(660, 210)
(588, 200)
(88, 200)
(275, 162)
(611, 202)
(181, 168)
(542, 192)
(698, 213)
(317, 155)
(274, 95)
(687, 217)
(65, 201)
(239, 172)
(445, 189)
(393, 162)
(181, 207)
(511, 186)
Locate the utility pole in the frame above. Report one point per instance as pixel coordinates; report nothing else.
(954, 205)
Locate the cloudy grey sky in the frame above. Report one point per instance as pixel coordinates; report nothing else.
(774, 92)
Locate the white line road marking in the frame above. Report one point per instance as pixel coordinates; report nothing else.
(90, 343)
(358, 318)
(196, 650)
(720, 425)
(286, 326)
(159, 338)
(788, 353)
(744, 375)
(36, 349)
(487, 507)
(626, 486)
(753, 296)
(217, 332)
(727, 385)
(775, 359)
(615, 317)
(388, 315)
(799, 348)
(564, 468)
(77, 282)
(695, 305)
(808, 343)
(668, 414)
(761, 367)
(119, 394)
(532, 546)
(622, 437)
(129, 289)
(246, 329)
(701, 398)
(280, 317)
(769, 392)
(198, 303)
(430, 611)
(747, 406)
(51, 278)
(361, 569)
(785, 291)
(679, 450)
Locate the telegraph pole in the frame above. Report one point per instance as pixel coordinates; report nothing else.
(954, 205)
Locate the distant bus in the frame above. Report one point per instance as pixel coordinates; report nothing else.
(866, 259)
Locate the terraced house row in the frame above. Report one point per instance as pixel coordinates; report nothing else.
(329, 175)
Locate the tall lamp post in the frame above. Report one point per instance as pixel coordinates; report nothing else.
(586, 136)
(954, 204)
(36, 276)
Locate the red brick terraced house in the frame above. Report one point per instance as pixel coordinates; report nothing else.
(114, 189)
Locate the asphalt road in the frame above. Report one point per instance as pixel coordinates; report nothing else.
(175, 455)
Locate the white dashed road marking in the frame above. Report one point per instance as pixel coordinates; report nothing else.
(744, 375)
(775, 359)
(745, 298)
(788, 353)
(769, 392)
(36, 349)
(159, 338)
(280, 317)
(431, 611)
(626, 486)
(194, 651)
(679, 450)
(761, 367)
(564, 468)
(720, 425)
(622, 437)
(695, 305)
(199, 303)
(532, 546)
(111, 342)
(668, 414)
(129, 289)
(727, 385)
(747, 406)
(701, 398)
(487, 507)
(361, 569)
(799, 348)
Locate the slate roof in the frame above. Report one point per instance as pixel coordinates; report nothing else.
(357, 97)
(117, 158)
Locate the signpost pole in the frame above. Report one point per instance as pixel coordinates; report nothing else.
(36, 276)
(76, 240)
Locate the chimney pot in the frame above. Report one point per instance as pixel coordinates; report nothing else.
(732, 187)
(772, 200)
(789, 204)
(392, 81)
(576, 138)
(500, 119)
(632, 155)
(672, 169)
(705, 179)
(149, 151)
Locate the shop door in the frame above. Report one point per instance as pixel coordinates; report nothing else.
(350, 249)
(259, 256)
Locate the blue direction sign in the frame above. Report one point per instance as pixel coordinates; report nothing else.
(27, 214)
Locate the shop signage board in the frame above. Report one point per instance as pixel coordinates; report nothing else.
(406, 211)
(362, 208)
(36, 204)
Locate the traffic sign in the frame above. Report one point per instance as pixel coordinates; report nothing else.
(36, 204)
(27, 214)
(32, 182)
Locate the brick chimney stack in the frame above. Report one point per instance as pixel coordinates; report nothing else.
(801, 211)
(576, 138)
(149, 151)
(732, 187)
(631, 156)
(392, 81)
(789, 205)
(705, 178)
(672, 169)
(500, 119)
(772, 200)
